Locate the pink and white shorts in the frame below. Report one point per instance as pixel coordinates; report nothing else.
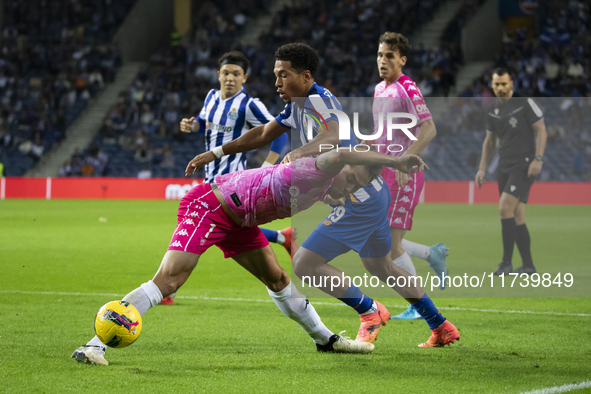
(404, 200)
(202, 222)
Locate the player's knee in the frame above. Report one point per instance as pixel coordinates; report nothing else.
(505, 211)
(277, 281)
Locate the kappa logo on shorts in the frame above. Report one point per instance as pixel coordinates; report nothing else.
(183, 232)
(204, 204)
(193, 214)
(176, 244)
(404, 199)
(407, 189)
(398, 221)
(190, 221)
(401, 210)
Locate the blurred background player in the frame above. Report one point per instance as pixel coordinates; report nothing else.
(516, 122)
(227, 114)
(403, 95)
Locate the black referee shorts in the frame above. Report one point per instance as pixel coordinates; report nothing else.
(514, 181)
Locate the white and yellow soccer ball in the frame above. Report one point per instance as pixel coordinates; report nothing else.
(118, 324)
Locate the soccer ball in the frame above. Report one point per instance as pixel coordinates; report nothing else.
(118, 324)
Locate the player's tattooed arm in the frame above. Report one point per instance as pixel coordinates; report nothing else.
(325, 137)
(334, 161)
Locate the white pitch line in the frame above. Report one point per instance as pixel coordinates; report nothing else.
(205, 298)
(561, 389)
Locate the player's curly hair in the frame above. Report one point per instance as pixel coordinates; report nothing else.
(396, 41)
(301, 56)
(374, 171)
(234, 57)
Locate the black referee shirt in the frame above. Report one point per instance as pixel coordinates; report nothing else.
(512, 123)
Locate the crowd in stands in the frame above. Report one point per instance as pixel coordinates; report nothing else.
(56, 55)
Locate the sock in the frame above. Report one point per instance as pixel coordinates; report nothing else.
(172, 295)
(416, 250)
(295, 306)
(523, 242)
(508, 227)
(406, 264)
(143, 298)
(355, 298)
(271, 235)
(280, 238)
(427, 310)
(372, 309)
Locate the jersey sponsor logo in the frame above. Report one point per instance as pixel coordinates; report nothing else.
(513, 187)
(407, 189)
(233, 115)
(404, 199)
(193, 214)
(398, 221)
(220, 128)
(422, 108)
(513, 122)
(176, 244)
(190, 221)
(183, 232)
(401, 210)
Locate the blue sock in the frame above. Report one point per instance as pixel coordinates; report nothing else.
(356, 299)
(427, 310)
(271, 235)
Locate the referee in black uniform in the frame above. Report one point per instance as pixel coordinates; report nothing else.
(516, 121)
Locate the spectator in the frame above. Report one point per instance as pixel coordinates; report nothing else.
(145, 173)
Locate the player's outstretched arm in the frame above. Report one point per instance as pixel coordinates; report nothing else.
(252, 139)
(334, 161)
(488, 149)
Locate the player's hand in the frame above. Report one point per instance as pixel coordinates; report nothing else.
(534, 168)
(409, 164)
(402, 179)
(187, 125)
(332, 201)
(291, 156)
(479, 180)
(199, 161)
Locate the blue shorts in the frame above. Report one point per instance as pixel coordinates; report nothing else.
(378, 244)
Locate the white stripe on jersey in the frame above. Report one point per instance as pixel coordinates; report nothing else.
(361, 195)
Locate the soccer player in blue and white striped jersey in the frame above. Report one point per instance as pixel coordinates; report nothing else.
(228, 113)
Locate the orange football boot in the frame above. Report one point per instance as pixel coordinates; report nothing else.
(445, 334)
(290, 241)
(371, 324)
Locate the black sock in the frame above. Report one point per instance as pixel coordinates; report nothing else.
(509, 226)
(523, 242)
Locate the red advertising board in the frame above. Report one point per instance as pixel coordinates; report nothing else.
(552, 193)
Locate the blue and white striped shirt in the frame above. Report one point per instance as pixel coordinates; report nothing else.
(226, 120)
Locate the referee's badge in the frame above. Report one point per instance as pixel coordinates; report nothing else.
(496, 111)
(513, 122)
(233, 115)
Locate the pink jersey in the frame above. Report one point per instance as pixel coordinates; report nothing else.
(262, 195)
(406, 98)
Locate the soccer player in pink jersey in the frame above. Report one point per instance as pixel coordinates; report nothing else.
(398, 93)
(227, 213)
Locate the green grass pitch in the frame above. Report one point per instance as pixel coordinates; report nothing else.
(59, 262)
